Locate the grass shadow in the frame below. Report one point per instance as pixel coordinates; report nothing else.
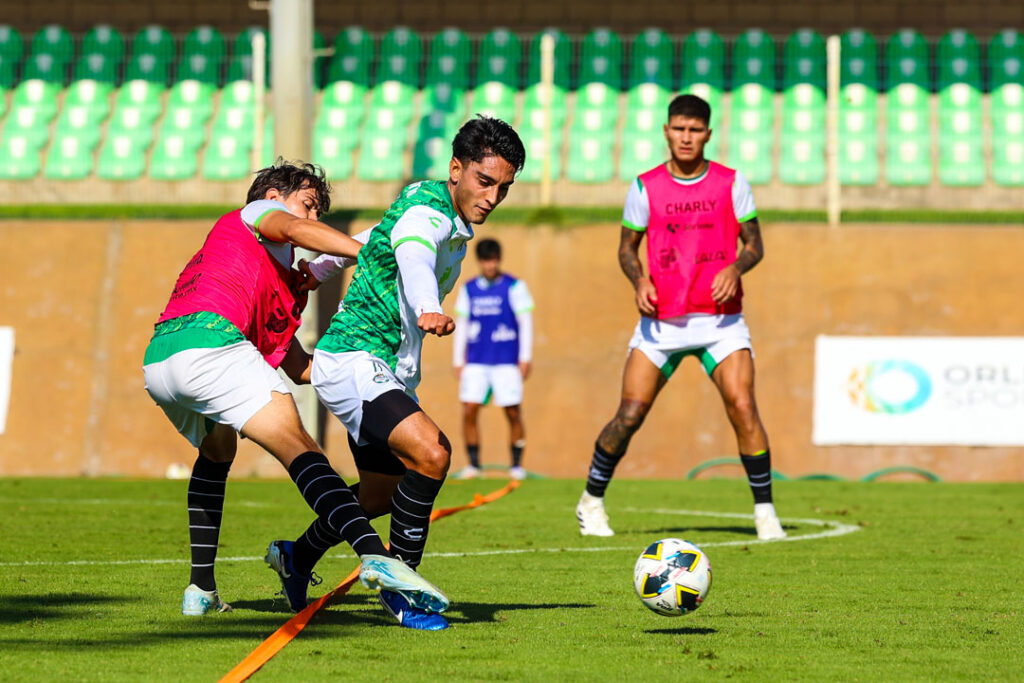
(741, 530)
(15, 609)
(682, 631)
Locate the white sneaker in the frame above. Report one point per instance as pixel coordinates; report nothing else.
(592, 517)
(767, 523)
(469, 472)
(517, 473)
(196, 602)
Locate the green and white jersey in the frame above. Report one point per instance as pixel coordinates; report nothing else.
(381, 307)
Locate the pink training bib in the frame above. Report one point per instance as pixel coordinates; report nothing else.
(691, 236)
(232, 275)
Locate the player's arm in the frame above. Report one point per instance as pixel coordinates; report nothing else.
(281, 226)
(629, 260)
(522, 305)
(460, 340)
(416, 263)
(727, 282)
(326, 266)
(297, 364)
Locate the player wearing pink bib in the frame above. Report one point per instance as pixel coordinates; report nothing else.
(212, 367)
(693, 212)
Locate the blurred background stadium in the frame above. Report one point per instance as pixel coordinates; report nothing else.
(143, 104)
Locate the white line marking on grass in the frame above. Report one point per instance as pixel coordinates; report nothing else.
(830, 529)
(117, 501)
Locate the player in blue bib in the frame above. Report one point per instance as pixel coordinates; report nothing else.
(493, 347)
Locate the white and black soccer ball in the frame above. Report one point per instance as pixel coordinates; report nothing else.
(672, 577)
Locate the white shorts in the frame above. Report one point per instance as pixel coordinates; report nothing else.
(710, 338)
(345, 382)
(478, 383)
(224, 384)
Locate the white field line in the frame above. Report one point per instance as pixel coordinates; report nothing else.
(118, 501)
(830, 529)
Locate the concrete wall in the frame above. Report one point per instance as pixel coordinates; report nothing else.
(82, 297)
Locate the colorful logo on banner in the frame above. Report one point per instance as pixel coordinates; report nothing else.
(889, 386)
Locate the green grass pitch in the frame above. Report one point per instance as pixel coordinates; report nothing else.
(882, 581)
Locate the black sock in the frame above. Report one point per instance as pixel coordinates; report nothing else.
(759, 475)
(410, 515)
(205, 508)
(339, 517)
(602, 466)
(474, 455)
(517, 452)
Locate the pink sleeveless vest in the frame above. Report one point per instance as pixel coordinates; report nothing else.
(232, 275)
(691, 236)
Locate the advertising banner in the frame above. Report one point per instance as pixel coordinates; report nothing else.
(919, 390)
(6, 358)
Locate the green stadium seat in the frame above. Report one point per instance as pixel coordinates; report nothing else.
(534, 99)
(199, 67)
(185, 121)
(3, 101)
(640, 153)
(494, 98)
(353, 55)
(1008, 97)
(650, 59)
(8, 71)
(401, 54)
(240, 93)
(147, 67)
(142, 94)
(601, 58)
(958, 59)
(961, 162)
(595, 123)
(175, 157)
(858, 159)
(133, 122)
(501, 53)
(1006, 58)
(105, 40)
(960, 111)
(1008, 163)
(206, 41)
(70, 157)
(648, 96)
(450, 57)
(82, 123)
(590, 159)
(192, 94)
(644, 121)
(339, 122)
(858, 59)
(234, 122)
(908, 161)
(96, 66)
(45, 67)
(858, 96)
(243, 41)
(803, 59)
(801, 161)
(857, 122)
(226, 159)
(431, 157)
(27, 123)
(597, 95)
(54, 40)
(121, 158)
(563, 58)
(906, 60)
(381, 158)
(703, 59)
(753, 60)
(12, 46)
(240, 68)
(536, 151)
(333, 152)
(154, 40)
(39, 95)
(395, 97)
(908, 96)
(444, 97)
(19, 160)
(752, 155)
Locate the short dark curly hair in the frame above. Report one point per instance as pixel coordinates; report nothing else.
(287, 177)
(486, 136)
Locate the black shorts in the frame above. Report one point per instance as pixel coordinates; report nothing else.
(380, 417)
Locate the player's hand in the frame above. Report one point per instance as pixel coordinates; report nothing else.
(436, 323)
(725, 285)
(524, 368)
(646, 297)
(309, 282)
(458, 372)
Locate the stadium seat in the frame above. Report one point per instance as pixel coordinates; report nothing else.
(703, 60)
(105, 40)
(534, 100)
(494, 98)
(958, 60)
(650, 59)
(401, 54)
(601, 59)
(234, 122)
(8, 71)
(595, 123)
(961, 162)
(333, 153)
(648, 96)
(194, 95)
(28, 124)
(39, 95)
(801, 160)
(536, 151)
(858, 59)
(450, 58)
(147, 67)
(143, 94)
(431, 157)
(590, 158)
(199, 67)
(753, 60)
(19, 160)
(501, 54)
(908, 161)
(70, 157)
(443, 97)
(45, 67)
(347, 96)
(81, 122)
(154, 40)
(12, 46)
(753, 156)
(204, 40)
(54, 40)
(906, 60)
(563, 57)
(96, 66)
(960, 111)
(121, 158)
(175, 157)
(238, 93)
(803, 59)
(639, 153)
(381, 157)
(225, 158)
(1006, 58)
(858, 159)
(353, 55)
(395, 97)
(339, 122)
(132, 122)
(1008, 163)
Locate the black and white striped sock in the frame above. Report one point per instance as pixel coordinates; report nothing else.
(410, 515)
(759, 475)
(602, 466)
(339, 517)
(205, 509)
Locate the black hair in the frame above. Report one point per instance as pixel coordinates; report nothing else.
(487, 249)
(690, 106)
(287, 177)
(487, 136)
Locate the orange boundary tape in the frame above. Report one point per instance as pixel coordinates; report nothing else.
(284, 635)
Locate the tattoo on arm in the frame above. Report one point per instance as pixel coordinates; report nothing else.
(753, 248)
(629, 254)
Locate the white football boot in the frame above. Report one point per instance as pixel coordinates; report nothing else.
(469, 472)
(592, 517)
(196, 602)
(767, 523)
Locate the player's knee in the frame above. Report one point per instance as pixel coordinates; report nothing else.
(433, 459)
(631, 416)
(741, 407)
(513, 413)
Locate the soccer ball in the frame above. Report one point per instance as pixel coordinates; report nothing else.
(672, 577)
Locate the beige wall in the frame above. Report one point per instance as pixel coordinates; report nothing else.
(82, 297)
